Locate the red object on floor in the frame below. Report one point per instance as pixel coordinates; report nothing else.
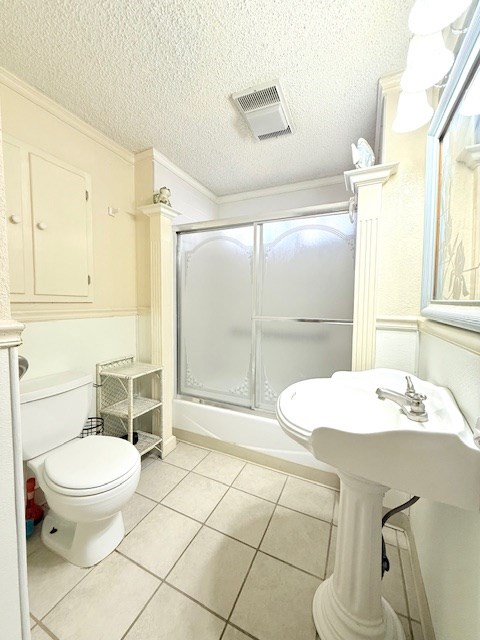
(33, 511)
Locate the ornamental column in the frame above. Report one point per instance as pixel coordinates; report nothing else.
(162, 318)
(367, 186)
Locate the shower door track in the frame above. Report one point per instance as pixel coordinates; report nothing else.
(335, 208)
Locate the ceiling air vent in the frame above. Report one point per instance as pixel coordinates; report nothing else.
(265, 110)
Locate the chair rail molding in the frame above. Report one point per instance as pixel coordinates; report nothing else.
(162, 326)
(367, 186)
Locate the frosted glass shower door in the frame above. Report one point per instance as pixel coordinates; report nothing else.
(304, 316)
(215, 314)
(264, 305)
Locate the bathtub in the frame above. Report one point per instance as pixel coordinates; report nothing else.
(249, 431)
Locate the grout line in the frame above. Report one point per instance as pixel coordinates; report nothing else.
(47, 631)
(256, 552)
(142, 609)
(328, 550)
(87, 573)
(140, 566)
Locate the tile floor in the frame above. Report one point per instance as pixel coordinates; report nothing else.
(216, 548)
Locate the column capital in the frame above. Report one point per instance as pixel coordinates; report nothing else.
(152, 210)
(378, 174)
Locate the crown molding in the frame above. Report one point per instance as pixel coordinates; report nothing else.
(41, 100)
(285, 188)
(156, 156)
(390, 82)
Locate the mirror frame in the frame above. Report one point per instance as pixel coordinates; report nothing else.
(457, 313)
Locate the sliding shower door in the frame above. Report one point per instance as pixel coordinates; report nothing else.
(264, 305)
(215, 314)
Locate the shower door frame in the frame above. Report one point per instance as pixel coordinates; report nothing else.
(257, 222)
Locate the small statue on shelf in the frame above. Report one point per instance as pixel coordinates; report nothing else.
(362, 154)
(162, 196)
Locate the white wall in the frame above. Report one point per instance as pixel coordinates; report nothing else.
(194, 201)
(290, 196)
(448, 539)
(61, 345)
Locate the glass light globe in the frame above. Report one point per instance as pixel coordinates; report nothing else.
(428, 16)
(413, 112)
(428, 61)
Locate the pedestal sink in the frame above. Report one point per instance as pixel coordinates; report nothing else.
(375, 447)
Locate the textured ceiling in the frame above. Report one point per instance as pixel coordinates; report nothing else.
(160, 73)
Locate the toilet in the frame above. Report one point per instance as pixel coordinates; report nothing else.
(86, 481)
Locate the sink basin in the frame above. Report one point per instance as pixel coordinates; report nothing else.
(375, 446)
(343, 423)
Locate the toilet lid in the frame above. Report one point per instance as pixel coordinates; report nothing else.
(91, 463)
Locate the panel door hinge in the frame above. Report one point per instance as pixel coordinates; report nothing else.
(89, 279)
(86, 195)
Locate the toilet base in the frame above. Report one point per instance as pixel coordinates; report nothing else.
(82, 543)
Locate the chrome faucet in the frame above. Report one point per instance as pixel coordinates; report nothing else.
(410, 402)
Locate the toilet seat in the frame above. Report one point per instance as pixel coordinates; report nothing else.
(88, 466)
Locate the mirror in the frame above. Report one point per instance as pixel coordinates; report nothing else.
(451, 279)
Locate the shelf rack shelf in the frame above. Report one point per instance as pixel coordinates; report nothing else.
(120, 402)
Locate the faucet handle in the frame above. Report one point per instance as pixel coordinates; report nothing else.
(410, 388)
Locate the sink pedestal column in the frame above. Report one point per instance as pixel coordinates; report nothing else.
(349, 605)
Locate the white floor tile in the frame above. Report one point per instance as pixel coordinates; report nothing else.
(135, 510)
(105, 604)
(261, 482)
(406, 627)
(220, 467)
(298, 539)
(196, 496)
(50, 577)
(212, 570)
(172, 616)
(186, 456)
(39, 634)
(243, 516)
(276, 601)
(309, 498)
(234, 634)
(159, 540)
(417, 630)
(158, 479)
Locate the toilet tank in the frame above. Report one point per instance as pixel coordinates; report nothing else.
(53, 410)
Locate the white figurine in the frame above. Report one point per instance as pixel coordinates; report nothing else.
(162, 196)
(362, 154)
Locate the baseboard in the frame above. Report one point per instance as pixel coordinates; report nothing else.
(308, 473)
